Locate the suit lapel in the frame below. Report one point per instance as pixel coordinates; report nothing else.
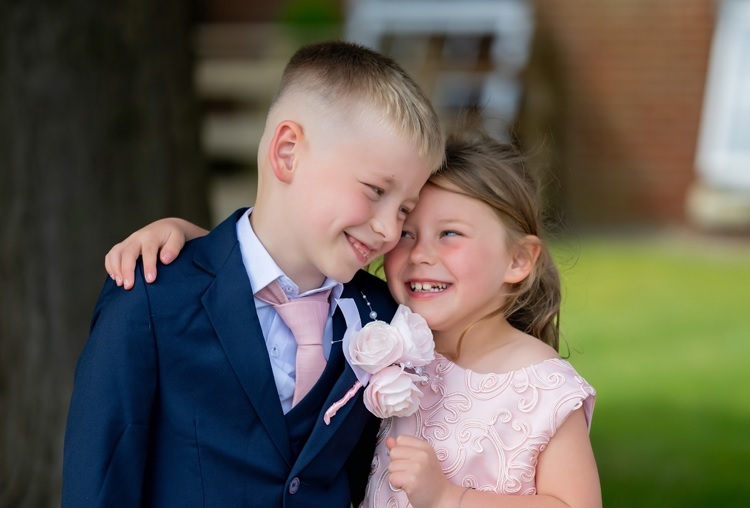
(229, 305)
(323, 433)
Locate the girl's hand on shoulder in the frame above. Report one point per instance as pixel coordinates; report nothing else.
(164, 237)
(416, 469)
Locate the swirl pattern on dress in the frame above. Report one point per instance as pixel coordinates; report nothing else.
(487, 429)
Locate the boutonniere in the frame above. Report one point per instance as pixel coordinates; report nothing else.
(387, 359)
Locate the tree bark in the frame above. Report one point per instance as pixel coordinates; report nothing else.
(98, 135)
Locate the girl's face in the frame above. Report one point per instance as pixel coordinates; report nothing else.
(452, 261)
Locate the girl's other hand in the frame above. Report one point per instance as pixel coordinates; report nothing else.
(416, 469)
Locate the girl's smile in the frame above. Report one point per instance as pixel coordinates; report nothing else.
(427, 287)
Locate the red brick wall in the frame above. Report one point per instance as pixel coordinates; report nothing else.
(615, 91)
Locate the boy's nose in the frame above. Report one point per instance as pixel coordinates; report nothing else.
(387, 227)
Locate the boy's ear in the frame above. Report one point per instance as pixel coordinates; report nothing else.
(283, 149)
(522, 263)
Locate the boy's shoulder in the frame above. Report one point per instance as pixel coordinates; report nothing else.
(211, 251)
(199, 262)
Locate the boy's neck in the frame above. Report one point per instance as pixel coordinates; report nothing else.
(266, 234)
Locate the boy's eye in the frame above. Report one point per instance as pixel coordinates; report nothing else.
(449, 233)
(406, 234)
(404, 210)
(376, 190)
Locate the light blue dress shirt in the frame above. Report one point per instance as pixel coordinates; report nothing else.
(282, 348)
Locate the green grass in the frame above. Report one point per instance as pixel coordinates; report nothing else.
(661, 329)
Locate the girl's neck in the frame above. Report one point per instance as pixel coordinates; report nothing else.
(484, 337)
(497, 348)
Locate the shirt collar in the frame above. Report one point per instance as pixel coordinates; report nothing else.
(262, 269)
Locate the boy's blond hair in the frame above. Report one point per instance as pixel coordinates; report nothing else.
(343, 74)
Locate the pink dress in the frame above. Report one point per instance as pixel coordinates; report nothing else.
(487, 429)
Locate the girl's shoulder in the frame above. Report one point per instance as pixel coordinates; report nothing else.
(528, 351)
(522, 352)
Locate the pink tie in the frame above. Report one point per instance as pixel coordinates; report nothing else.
(306, 317)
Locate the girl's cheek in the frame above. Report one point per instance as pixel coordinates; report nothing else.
(391, 266)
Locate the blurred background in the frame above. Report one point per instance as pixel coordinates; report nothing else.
(635, 115)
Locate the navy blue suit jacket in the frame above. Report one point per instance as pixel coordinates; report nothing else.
(175, 404)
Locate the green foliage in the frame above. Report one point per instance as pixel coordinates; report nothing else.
(661, 331)
(311, 20)
(376, 268)
(312, 12)
(306, 13)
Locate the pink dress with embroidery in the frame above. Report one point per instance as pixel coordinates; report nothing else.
(487, 429)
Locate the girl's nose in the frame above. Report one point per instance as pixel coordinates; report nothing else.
(422, 253)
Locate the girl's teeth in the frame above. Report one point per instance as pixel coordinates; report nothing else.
(427, 286)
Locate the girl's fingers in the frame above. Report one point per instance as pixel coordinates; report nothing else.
(172, 248)
(149, 253)
(112, 263)
(128, 258)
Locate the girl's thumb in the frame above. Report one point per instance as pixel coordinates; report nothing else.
(390, 443)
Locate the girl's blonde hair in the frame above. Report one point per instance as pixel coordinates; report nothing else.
(493, 172)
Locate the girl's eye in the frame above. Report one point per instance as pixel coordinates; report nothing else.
(404, 211)
(406, 234)
(376, 190)
(449, 233)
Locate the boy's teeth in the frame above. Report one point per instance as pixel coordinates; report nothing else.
(432, 287)
(365, 251)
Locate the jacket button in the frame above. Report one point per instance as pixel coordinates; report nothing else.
(294, 485)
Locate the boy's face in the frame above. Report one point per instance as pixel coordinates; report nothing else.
(354, 184)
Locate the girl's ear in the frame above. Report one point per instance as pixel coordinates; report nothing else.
(284, 149)
(522, 263)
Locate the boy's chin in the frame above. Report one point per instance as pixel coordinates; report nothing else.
(344, 276)
(340, 273)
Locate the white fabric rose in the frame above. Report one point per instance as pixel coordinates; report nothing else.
(384, 356)
(392, 392)
(376, 346)
(419, 348)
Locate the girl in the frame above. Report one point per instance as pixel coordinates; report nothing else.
(501, 412)
(503, 420)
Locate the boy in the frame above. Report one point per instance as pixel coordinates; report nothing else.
(185, 392)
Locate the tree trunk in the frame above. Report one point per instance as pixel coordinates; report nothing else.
(98, 135)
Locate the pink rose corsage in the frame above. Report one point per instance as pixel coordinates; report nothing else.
(387, 359)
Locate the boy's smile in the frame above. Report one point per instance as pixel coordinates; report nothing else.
(364, 251)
